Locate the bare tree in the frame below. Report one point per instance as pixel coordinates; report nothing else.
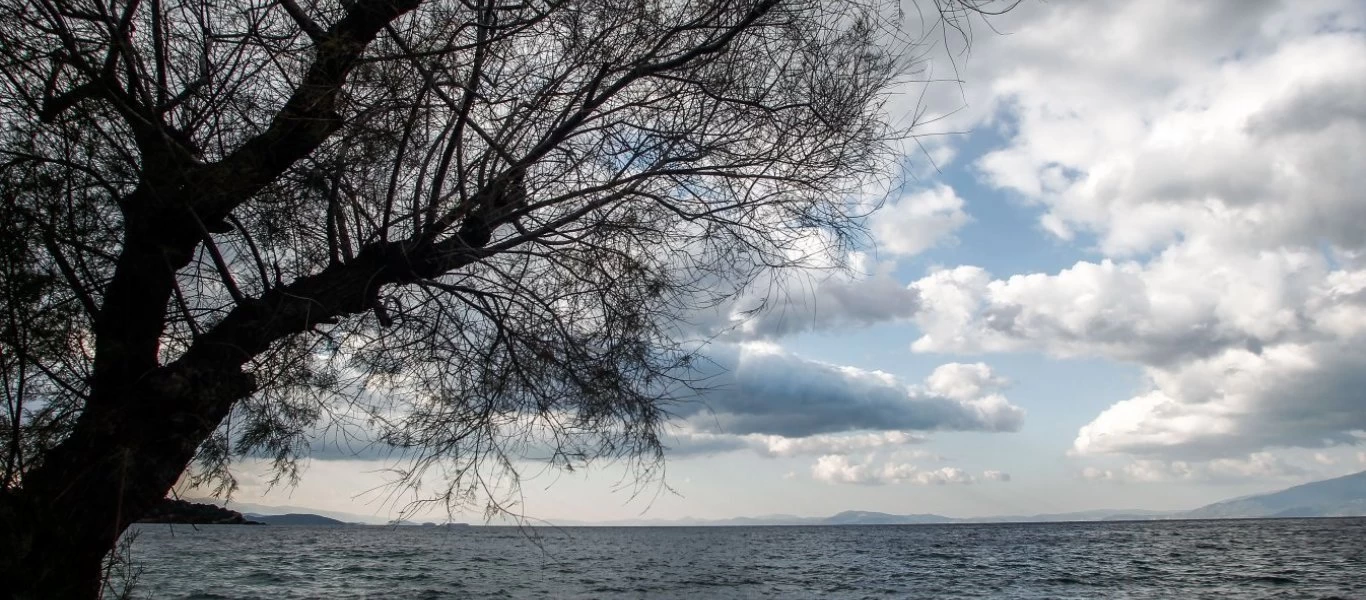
(467, 225)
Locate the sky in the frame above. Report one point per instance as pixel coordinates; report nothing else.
(1127, 269)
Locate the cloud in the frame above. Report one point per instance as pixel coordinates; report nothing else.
(964, 382)
(759, 388)
(1240, 353)
(1255, 466)
(918, 221)
(692, 443)
(823, 302)
(838, 469)
(825, 289)
(1312, 107)
(760, 398)
(1224, 168)
(834, 444)
(992, 475)
(1186, 303)
(1165, 130)
(1214, 171)
(942, 476)
(1294, 395)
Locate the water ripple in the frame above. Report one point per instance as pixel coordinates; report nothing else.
(1309, 559)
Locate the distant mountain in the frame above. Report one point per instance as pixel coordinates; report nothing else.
(760, 521)
(407, 523)
(1104, 514)
(295, 519)
(1340, 497)
(863, 517)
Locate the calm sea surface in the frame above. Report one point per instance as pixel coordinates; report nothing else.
(1311, 559)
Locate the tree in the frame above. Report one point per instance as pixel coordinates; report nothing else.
(465, 224)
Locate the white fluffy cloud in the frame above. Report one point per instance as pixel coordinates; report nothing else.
(918, 221)
(838, 469)
(1291, 395)
(692, 443)
(1242, 352)
(942, 476)
(1186, 303)
(1210, 154)
(1255, 466)
(1233, 153)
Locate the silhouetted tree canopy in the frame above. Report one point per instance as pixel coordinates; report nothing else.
(473, 228)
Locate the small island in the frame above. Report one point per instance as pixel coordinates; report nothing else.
(192, 513)
(298, 519)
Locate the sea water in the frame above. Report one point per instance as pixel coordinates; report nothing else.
(1284, 558)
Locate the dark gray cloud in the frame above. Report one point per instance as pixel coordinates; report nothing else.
(761, 389)
(763, 399)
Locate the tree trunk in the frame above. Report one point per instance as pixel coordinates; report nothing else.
(115, 466)
(57, 563)
(143, 421)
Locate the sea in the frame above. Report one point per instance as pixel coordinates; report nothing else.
(1311, 559)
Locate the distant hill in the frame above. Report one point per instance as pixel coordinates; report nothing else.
(1104, 514)
(295, 519)
(1340, 497)
(863, 517)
